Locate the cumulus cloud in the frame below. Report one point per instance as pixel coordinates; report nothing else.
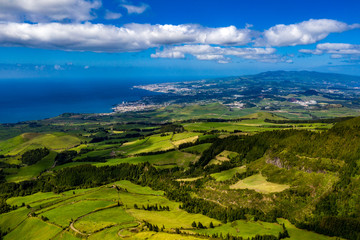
(135, 9)
(303, 33)
(337, 50)
(108, 38)
(220, 54)
(47, 10)
(333, 48)
(58, 67)
(112, 15)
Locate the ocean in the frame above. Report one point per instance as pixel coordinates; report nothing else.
(35, 99)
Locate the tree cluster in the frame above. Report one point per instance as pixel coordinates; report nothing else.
(33, 156)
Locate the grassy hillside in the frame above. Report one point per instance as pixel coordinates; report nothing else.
(94, 213)
(238, 177)
(27, 141)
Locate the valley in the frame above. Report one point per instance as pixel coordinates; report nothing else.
(200, 170)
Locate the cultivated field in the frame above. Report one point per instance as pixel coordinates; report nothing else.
(260, 184)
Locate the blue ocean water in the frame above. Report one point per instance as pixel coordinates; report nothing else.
(34, 99)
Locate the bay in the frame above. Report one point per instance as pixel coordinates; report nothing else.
(34, 99)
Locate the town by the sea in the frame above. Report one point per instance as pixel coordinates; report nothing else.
(34, 99)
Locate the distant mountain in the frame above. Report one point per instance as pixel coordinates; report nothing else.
(305, 75)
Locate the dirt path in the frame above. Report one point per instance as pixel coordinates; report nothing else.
(77, 231)
(123, 229)
(97, 210)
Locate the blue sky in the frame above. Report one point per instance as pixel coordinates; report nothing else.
(176, 39)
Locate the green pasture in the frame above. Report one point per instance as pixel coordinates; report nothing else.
(103, 219)
(176, 218)
(95, 153)
(112, 233)
(224, 156)
(32, 229)
(244, 126)
(228, 174)
(10, 220)
(29, 199)
(197, 149)
(252, 125)
(168, 158)
(8, 145)
(65, 235)
(95, 210)
(27, 141)
(163, 236)
(32, 171)
(260, 184)
(245, 229)
(133, 188)
(149, 144)
(63, 215)
(183, 135)
(300, 234)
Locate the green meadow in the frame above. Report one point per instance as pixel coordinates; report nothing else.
(27, 141)
(260, 184)
(33, 228)
(64, 214)
(29, 172)
(228, 174)
(170, 158)
(197, 149)
(103, 219)
(244, 228)
(122, 209)
(94, 214)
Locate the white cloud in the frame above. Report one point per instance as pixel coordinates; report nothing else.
(220, 54)
(112, 15)
(58, 67)
(47, 10)
(108, 38)
(135, 9)
(337, 50)
(303, 33)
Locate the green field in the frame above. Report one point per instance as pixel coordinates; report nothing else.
(114, 233)
(103, 219)
(299, 234)
(253, 125)
(133, 188)
(94, 212)
(164, 236)
(93, 203)
(228, 174)
(224, 156)
(244, 229)
(172, 219)
(169, 158)
(158, 142)
(37, 197)
(29, 172)
(260, 184)
(198, 149)
(63, 215)
(149, 144)
(27, 141)
(10, 220)
(34, 228)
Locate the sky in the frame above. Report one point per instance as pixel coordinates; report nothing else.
(176, 38)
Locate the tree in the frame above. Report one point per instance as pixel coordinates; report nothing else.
(193, 224)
